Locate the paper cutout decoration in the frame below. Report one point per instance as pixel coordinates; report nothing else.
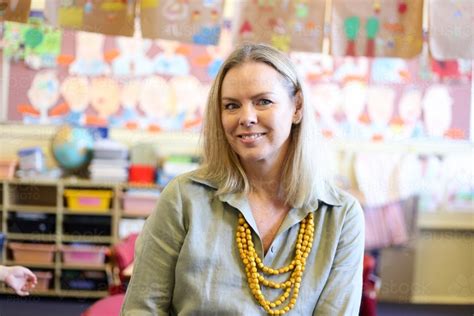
(286, 25)
(15, 10)
(389, 70)
(132, 61)
(44, 93)
(111, 17)
(89, 55)
(39, 45)
(75, 92)
(451, 30)
(169, 61)
(380, 106)
(437, 110)
(185, 21)
(105, 99)
(391, 28)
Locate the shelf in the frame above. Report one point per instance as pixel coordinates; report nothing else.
(85, 294)
(35, 237)
(83, 266)
(30, 264)
(138, 215)
(69, 211)
(32, 181)
(67, 293)
(85, 238)
(137, 185)
(71, 266)
(446, 220)
(32, 208)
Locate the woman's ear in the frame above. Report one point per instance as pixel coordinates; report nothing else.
(298, 114)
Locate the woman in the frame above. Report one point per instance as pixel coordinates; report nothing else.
(256, 230)
(19, 278)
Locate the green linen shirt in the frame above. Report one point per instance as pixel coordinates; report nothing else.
(187, 261)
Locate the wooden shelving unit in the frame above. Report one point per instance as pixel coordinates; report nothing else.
(47, 197)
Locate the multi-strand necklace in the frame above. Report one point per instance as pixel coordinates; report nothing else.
(255, 269)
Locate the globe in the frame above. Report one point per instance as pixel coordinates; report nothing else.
(72, 147)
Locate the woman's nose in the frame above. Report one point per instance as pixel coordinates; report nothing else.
(248, 116)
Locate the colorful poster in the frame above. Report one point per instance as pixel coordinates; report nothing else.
(451, 34)
(37, 44)
(197, 22)
(287, 25)
(382, 28)
(111, 17)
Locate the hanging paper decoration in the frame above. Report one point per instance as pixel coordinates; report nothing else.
(286, 25)
(391, 28)
(186, 21)
(15, 10)
(451, 30)
(111, 17)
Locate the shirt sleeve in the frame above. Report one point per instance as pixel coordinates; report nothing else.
(151, 286)
(342, 292)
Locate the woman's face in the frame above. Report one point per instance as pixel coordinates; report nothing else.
(257, 113)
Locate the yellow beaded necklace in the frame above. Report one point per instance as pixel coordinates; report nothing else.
(253, 264)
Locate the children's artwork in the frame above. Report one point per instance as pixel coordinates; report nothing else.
(132, 60)
(390, 70)
(186, 21)
(75, 92)
(169, 61)
(286, 25)
(451, 33)
(390, 28)
(109, 17)
(122, 82)
(315, 68)
(437, 111)
(15, 10)
(380, 108)
(43, 95)
(37, 44)
(89, 55)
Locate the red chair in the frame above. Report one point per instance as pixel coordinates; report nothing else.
(368, 306)
(122, 255)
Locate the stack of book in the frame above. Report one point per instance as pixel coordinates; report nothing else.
(110, 162)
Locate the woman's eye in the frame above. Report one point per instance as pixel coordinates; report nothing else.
(264, 102)
(230, 106)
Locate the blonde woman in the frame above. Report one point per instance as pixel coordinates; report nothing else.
(257, 230)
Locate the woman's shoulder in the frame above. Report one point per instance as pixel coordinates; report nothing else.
(334, 195)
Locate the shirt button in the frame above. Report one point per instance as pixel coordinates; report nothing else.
(272, 249)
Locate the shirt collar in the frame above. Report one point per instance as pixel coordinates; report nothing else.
(328, 194)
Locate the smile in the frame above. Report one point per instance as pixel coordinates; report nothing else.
(251, 136)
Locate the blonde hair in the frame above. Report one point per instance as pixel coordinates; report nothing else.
(302, 173)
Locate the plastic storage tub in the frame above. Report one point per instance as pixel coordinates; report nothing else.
(141, 174)
(7, 169)
(84, 280)
(31, 223)
(85, 225)
(84, 254)
(44, 279)
(139, 203)
(32, 253)
(88, 200)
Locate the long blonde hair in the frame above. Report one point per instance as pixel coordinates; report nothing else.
(302, 174)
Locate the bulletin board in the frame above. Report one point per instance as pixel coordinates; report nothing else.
(378, 99)
(99, 80)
